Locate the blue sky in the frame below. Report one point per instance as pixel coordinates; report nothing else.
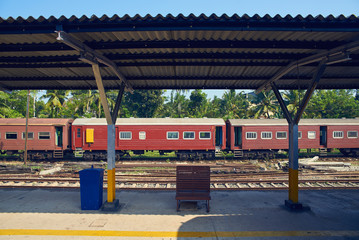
(47, 8)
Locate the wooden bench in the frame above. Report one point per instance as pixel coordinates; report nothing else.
(193, 183)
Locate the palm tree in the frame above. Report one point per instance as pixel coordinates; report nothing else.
(56, 99)
(266, 105)
(292, 99)
(234, 105)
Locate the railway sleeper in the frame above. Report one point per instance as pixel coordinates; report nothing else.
(261, 154)
(195, 155)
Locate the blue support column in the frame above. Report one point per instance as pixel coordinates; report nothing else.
(292, 201)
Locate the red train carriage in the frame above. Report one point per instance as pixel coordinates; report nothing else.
(264, 137)
(189, 137)
(47, 138)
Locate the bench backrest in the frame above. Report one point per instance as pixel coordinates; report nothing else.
(193, 178)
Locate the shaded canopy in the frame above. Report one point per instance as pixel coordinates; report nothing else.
(180, 52)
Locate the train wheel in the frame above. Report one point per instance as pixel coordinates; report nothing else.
(183, 156)
(88, 157)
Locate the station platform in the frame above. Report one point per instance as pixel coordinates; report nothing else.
(57, 214)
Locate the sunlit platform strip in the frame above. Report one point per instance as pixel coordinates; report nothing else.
(48, 232)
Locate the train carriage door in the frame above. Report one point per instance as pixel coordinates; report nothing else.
(78, 137)
(117, 134)
(323, 136)
(58, 138)
(219, 136)
(238, 136)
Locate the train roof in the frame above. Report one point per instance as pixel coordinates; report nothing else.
(151, 121)
(303, 122)
(35, 121)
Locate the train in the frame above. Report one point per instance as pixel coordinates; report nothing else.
(189, 138)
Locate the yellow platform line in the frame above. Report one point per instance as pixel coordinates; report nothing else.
(49, 232)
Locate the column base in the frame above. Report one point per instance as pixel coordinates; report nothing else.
(296, 206)
(111, 206)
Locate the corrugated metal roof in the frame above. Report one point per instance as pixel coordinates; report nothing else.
(303, 122)
(35, 121)
(176, 52)
(151, 121)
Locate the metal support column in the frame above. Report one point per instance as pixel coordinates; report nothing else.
(92, 57)
(111, 203)
(293, 152)
(293, 166)
(111, 160)
(292, 201)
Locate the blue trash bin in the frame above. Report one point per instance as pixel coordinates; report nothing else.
(91, 188)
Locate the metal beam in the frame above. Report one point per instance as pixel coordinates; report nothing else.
(163, 56)
(341, 50)
(91, 56)
(118, 103)
(281, 103)
(318, 74)
(310, 45)
(103, 98)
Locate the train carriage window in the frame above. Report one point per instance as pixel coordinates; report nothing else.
(266, 135)
(311, 135)
(299, 135)
(172, 135)
(11, 135)
(281, 135)
(338, 134)
(188, 135)
(44, 135)
(30, 135)
(352, 134)
(142, 136)
(79, 132)
(204, 135)
(251, 135)
(125, 135)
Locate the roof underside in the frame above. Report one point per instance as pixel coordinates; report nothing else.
(182, 52)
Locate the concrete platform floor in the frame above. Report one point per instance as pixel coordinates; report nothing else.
(57, 214)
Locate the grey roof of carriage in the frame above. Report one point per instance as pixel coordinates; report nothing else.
(279, 122)
(35, 121)
(151, 121)
(176, 52)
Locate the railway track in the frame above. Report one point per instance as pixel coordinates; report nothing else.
(170, 185)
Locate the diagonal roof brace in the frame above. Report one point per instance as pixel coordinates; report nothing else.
(91, 56)
(335, 55)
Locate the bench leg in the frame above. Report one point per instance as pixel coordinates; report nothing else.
(207, 205)
(178, 205)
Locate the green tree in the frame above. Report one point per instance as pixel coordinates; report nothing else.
(234, 105)
(142, 103)
(7, 108)
(266, 105)
(56, 99)
(333, 104)
(197, 106)
(293, 98)
(214, 108)
(177, 106)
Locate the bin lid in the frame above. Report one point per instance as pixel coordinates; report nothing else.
(91, 170)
